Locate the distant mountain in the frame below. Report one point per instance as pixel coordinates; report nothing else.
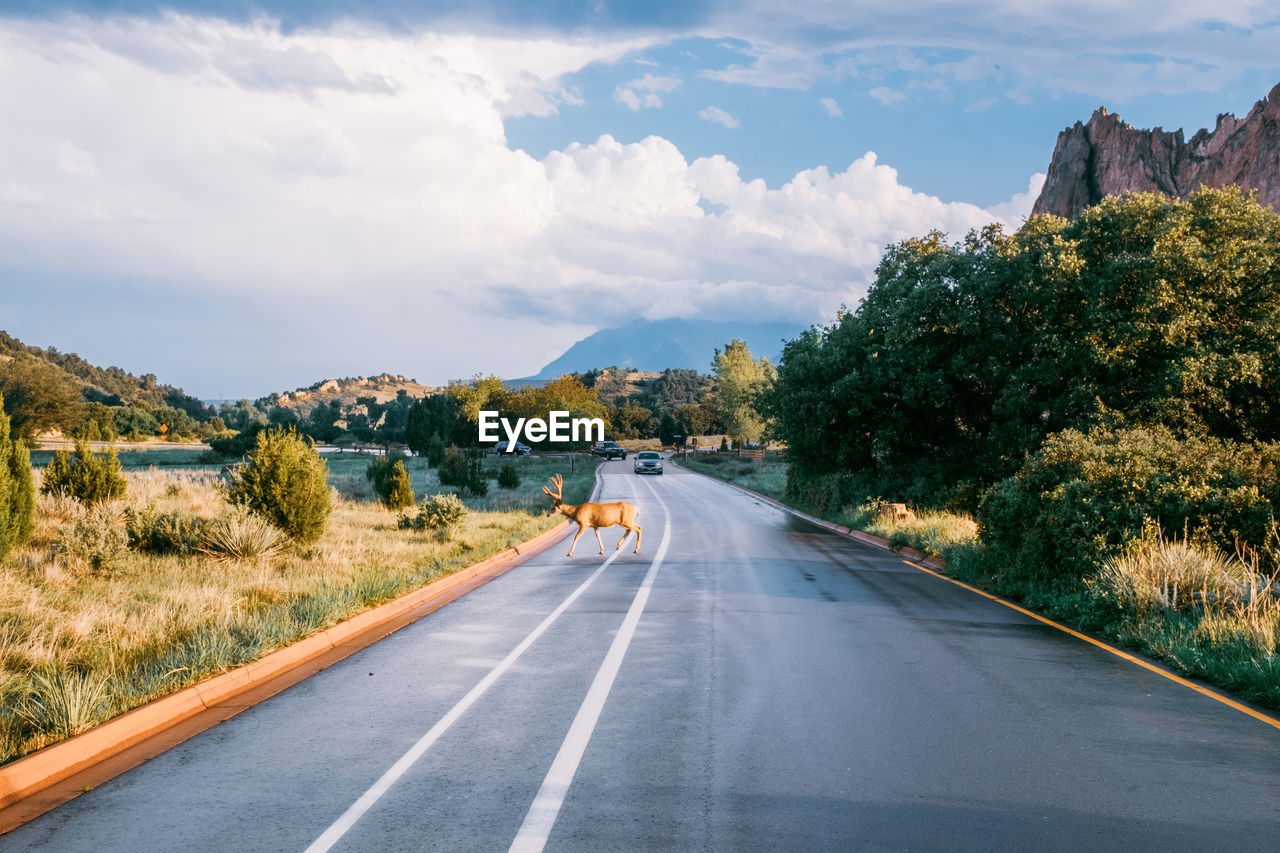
(654, 345)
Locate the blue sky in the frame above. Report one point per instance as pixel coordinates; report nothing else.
(248, 197)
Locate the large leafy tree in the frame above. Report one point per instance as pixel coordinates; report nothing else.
(740, 381)
(39, 397)
(963, 358)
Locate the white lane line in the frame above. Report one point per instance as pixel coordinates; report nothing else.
(371, 796)
(542, 815)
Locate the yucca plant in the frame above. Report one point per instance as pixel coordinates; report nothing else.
(239, 534)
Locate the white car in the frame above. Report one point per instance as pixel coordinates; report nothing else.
(648, 462)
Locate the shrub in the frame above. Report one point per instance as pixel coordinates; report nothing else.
(441, 513)
(173, 532)
(237, 444)
(464, 471)
(508, 476)
(435, 451)
(89, 477)
(96, 540)
(391, 480)
(1175, 574)
(17, 490)
(240, 535)
(1082, 497)
(285, 481)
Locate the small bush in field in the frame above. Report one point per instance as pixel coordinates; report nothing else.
(508, 476)
(435, 451)
(391, 480)
(88, 477)
(441, 513)
(285, 481)
(97, 540)
(464, 471)
(173, 532)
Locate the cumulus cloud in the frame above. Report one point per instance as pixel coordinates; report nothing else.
(643, 93)
(360, 184)
(831, 108)
(1016, 210)
(719, 116)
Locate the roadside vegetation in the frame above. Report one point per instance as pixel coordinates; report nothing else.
(1082, 415)
(108, 604)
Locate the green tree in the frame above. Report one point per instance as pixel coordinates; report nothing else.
(740, 381)
(391, 480)
(39, 397)
(17, 490)
(89, 477)
(286, 482)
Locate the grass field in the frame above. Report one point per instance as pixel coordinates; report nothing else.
(90, 628)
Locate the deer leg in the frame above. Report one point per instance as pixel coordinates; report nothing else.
(638, 529)
(574, 543)
(598, 539)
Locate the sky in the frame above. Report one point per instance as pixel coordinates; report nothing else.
(247, 197)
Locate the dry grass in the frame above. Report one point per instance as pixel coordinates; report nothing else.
(929, 532)
(81, 642)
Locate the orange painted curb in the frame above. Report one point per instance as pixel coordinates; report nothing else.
(40, 770)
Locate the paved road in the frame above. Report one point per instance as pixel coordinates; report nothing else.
(765, 685)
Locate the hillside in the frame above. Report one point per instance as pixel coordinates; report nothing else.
(110, 385)
(655, 345)
(382, 388)
(1106, 157)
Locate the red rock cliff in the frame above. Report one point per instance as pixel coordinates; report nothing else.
(1108, 157)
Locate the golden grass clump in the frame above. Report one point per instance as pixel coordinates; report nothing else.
(1174, 574)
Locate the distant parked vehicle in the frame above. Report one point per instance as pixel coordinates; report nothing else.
(521, 449)
(609, 450)
(647, 462)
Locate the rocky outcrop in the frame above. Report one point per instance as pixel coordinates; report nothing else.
(1108, 157)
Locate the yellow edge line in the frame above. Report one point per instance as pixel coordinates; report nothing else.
(1257, 715)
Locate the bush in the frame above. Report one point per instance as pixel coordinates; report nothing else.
(441, 513)
(508, 476)
(391, 480)
(240, 535)
(464, 471)
(96, 540)
(1083, 497)
(17, 490)
(435, 451)
(237, 444)
(88, 477)
(286, 482)
(173, 532)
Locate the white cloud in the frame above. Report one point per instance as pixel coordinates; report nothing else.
(360, 184)
(831, 108)
(886, 96)
(629, 94)
(1016, 210)
(719, 116)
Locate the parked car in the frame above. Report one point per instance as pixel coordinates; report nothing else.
(647, 462)
(521, 449)
(609, 450)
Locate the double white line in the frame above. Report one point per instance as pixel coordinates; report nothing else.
(546, 805)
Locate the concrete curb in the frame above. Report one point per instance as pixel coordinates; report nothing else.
(46, 767)
(879, 542)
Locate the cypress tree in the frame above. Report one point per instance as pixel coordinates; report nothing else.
(17, 490)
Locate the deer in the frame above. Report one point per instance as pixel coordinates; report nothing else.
(594, 515)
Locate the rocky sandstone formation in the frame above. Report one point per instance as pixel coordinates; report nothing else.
(1108, 157)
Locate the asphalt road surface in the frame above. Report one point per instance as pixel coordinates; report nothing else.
(748, 682)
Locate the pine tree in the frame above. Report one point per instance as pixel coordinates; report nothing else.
(17, 490)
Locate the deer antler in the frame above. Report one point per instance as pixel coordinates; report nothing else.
(558, 482)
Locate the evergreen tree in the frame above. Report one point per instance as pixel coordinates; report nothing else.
(17, 490)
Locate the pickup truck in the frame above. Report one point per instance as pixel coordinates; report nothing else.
(609, 450)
